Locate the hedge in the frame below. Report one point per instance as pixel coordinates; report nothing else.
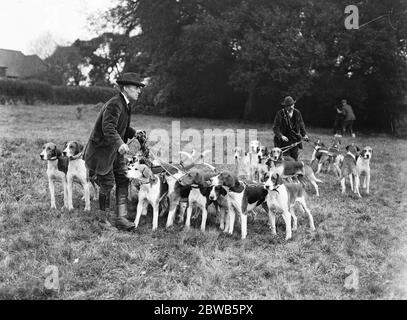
(34, 91)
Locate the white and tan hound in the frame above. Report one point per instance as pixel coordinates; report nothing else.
(363, 166)
(57, 167)
(348, 169)
(77, 169)
(242, 163)
(198, 196)
(287, 169)
(152, 190)
(284, 197)
(241, 198)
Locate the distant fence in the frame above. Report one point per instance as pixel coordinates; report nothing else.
(14, 91)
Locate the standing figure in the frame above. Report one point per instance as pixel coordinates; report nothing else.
(289, 128)
(104, 154)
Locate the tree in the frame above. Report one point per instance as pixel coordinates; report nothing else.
(205, 54)
(44, 45)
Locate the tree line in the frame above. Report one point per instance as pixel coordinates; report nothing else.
(239, 58)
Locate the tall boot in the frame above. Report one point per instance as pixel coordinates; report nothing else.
(104, 203)
(121, 209)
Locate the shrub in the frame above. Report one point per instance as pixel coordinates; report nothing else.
(32, 91)
(82, 95)
(25, 91)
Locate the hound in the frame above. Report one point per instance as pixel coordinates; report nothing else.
(152, 190)
(254, 150)
(284, 197)
(262, 167)
(291, 168)
(363, 166)
(178, 192)
(198, 196)
(240, 197)
(217, 196)
(242, 163)
(320, 155)
(57, 167)
(348, 168)
(335, 157)
(77, 169)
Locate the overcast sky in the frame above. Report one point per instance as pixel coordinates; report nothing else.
(24, 21)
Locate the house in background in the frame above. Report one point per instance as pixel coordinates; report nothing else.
(14, 64)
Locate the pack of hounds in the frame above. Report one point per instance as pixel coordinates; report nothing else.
(262, 178)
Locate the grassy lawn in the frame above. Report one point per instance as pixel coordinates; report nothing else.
(93, 263)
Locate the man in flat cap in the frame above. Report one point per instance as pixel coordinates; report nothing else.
(104, 153)
(289, 128)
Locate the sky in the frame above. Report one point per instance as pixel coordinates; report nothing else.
(22, 22)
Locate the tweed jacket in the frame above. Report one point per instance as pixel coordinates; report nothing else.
(111, 130)
(293, 129)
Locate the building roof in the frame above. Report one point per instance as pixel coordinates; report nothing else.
(19, 65)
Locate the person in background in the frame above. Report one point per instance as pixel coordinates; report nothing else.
(289, 128)
(348, 118)
(105, 150)
(338, 124)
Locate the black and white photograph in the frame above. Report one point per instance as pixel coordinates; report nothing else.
(203, 150)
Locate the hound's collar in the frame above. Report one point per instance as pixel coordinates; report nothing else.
(76, 157)
(194, 186)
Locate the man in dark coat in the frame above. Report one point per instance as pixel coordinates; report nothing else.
(289, 128)
(104, 153)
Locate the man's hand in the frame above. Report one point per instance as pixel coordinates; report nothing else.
(124, 148)
(306, 138)
(284, 138)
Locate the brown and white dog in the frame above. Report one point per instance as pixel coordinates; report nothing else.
(57, 167)
(198, 196)
(287, 169)
(242, 163)
(363, 166)
(320, 155)
(152, 190)
(241, 198)
(284, 197)
(77, 169)
(348, 169)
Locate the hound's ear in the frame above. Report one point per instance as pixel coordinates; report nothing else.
(79, 147)
(277, 180)
(58, 152)
(347, 148)
(357, 149)
(147, 173)
(266, 151)
(222, 191)
(258, 149)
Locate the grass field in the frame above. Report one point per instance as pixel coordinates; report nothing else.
(93, 263)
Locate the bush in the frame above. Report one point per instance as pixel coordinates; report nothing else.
(32, 91)
(25, 91)
(82, 95)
